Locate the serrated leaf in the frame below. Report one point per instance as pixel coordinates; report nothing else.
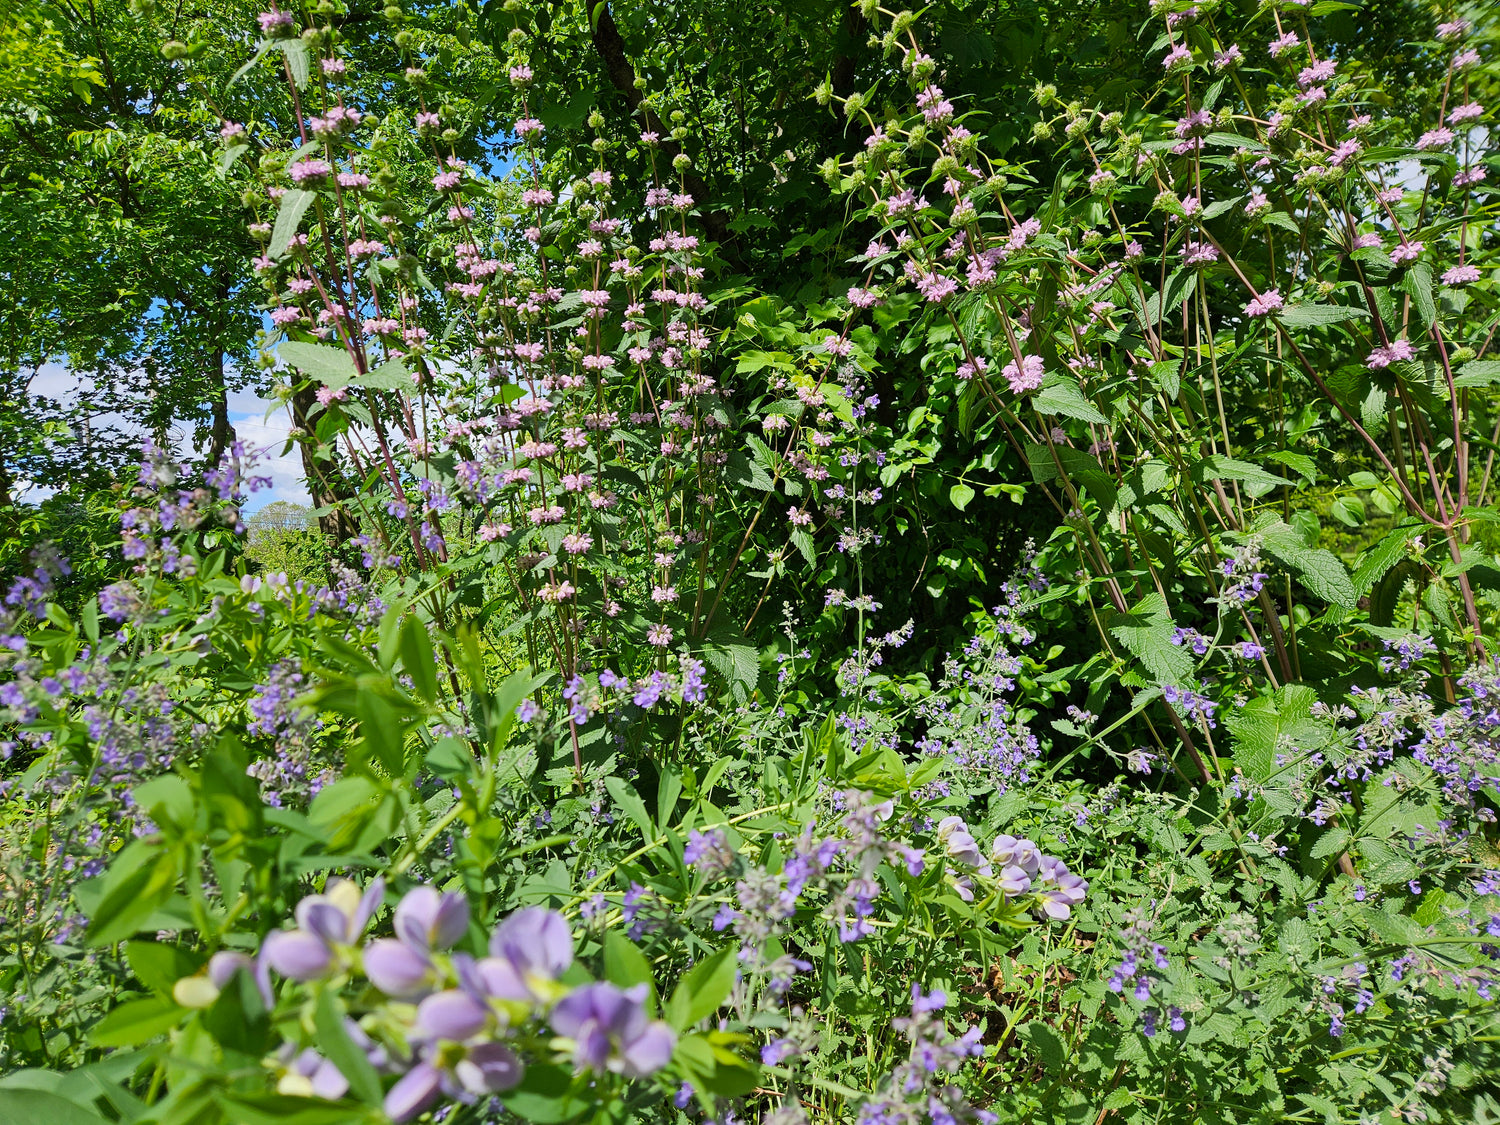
(1081, 467)
(1308, 315)
(331, 366)
(1301, 464)
(1297, 940)
(1234, 140)
(1320, 570)
(1372, 409)
(1258, 727)
(1480, 373)
(734, 659)
(1168, 376)
(1061, 395)
(1146, 632)
(295, 52)
(804, 544)
(1047, 1044)
(1331, 842)
(1218, 467)
(1418, 285)
(391, 375)
(294, 203)
(1380, 558)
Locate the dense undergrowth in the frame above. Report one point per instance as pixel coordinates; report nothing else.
(1036, 665)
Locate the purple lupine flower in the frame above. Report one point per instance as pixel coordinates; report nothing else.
(959, 842)
(528, 951)
(325, 922)
(1058, 890)
(452, 1015)
(310, 1073)
(610, 1030)
(417, 1089)
(427, 920)
(398, 970)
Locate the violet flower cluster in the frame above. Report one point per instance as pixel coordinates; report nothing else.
(920, 1090)
(448, 1024)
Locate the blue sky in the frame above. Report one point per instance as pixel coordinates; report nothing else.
(247, 412)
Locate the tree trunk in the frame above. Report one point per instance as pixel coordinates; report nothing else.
(221, 434)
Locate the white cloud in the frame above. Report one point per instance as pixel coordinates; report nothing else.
(267, 436)
(247, 413)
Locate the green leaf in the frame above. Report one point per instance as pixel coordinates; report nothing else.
(1168, 376)
(391, 375)
(1480, 373)
(39, 1107)
(83, 1086)
(804, 544)
(229, 156)
(341, 1050)
(330, 366)
(167, 799)
(1281, 219)
(1061, 394)
(734, 659)
(1218, 467)
(1380, 558)
(1301, 464)
(139, 881)
(1418, 285)
(295, 51)
(1257, 728)
(742, 471)
(1331, 842)
(632, 805)
(701, 992)
(1146, 632)
(1320, 570)
(260, 53)
(158, 965)
(626, 966)
(1308, 315)
(1047, 1044)
(449, 758)
(1372, 409)
(288, 218)
(1082, 468)
(959, 496)
(418, 659)
(283, 1109)
(500, 708)
(136, 1021)
(1234, 140)
(546, 1096)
